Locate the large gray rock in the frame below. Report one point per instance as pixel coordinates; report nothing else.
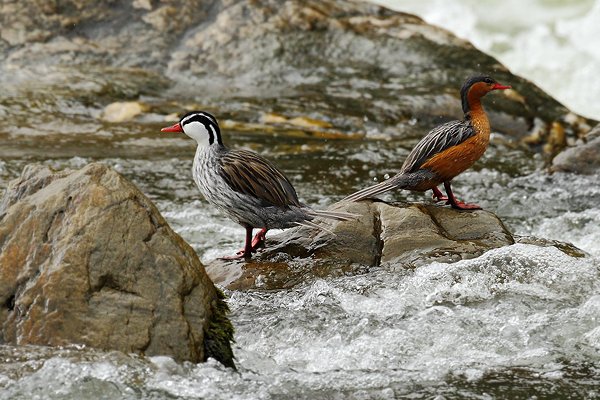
(86, 258)
(385, 235)
(358, 68)
(395, 236)
(584, 158)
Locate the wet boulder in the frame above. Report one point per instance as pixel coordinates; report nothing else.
(583, 158)
(355, 65)
(86, 258)
(394, 236)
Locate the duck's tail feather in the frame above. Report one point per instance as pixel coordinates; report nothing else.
(385, 186)
(310, 224)
(325, 214)
(337, 215)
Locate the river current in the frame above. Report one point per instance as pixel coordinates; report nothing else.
(517, 322)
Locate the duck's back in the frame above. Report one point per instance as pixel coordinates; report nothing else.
(439, 140)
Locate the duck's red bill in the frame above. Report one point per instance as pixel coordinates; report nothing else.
(498, 86)
(173, 128)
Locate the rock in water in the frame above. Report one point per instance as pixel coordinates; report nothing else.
(583, 158)
(393, 236)
(122, 111)
(86, 258)
(385, 235)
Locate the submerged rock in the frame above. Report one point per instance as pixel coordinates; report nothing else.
(584, 158)
(86, 258)
(384, 235)
(122, 111)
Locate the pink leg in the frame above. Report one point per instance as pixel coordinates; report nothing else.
(246, 252)
(259, 239)
(455, 203)
(437, 195)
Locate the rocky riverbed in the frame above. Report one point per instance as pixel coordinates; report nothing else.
(336, 93)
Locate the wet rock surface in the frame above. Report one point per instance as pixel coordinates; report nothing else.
(359, 69)
(391, 236)
(86, 258)
(583, 158)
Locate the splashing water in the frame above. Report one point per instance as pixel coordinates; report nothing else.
(521, 315)
(517, 322)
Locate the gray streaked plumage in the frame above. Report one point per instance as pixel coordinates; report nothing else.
(247, 188)
(247, 172)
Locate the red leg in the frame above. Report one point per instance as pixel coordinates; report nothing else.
(246, 252)
(455, 203)
(259, 239)
(438, 195)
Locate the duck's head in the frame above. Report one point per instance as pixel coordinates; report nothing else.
(200, 126)
(476, 87)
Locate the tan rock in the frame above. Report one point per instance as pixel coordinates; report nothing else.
(384, 235)
(583, 158)
(122, 111)
(86, 258)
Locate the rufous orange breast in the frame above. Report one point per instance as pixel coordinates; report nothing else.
(456, 159)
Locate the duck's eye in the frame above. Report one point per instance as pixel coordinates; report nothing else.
(488, 80)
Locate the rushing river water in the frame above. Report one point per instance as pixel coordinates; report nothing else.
(518, 322)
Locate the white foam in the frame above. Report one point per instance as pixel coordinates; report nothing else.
(517, 306)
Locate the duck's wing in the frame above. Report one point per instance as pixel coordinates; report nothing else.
(437, 140)
(248, 173)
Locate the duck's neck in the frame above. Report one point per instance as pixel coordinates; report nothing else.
(209, 150)
(476, 114)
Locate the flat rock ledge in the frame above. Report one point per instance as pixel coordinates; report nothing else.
(86, 258)
(393, 236)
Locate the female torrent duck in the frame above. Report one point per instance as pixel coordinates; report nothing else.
(446, 151)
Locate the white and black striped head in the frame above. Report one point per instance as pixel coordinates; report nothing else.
(200, 126)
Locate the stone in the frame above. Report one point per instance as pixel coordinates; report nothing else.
(122, 111)
(86, 258)
(384, 235)
(583, 158)
(365, 66)
(395, 236)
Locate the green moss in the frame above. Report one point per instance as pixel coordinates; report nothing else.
(218, 335)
